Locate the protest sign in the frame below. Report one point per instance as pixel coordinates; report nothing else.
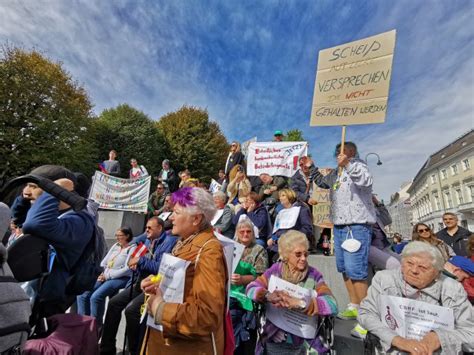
(352, 82)
(237, 250)
(286, 218)
(217, 216)
(275, 158)
(113, 193)
(413, 319)
(173, 276)
(322, 210)
(244, 147)
(165, 215)
(291, 321)
(214, 186)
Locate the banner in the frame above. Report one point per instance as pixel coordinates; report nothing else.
(322, 211)
(275, 158)
(291, 321)
(113, 193)
(353, 81)
(173, 277)
(413, 319)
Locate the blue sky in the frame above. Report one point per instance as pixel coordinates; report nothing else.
(252, 65)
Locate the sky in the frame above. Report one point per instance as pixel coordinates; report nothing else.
(252, 65)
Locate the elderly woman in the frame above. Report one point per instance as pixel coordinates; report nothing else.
(115, 276)
(423, 233)
(419, 278)
(293, 267)
(195, 326)
(301, 222)
(253, 263)
(239, 186)
(222, 221)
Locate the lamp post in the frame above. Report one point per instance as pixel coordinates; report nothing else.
(379, 162)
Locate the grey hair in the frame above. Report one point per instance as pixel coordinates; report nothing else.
(245, 222)
(220, 195)
(204, 204)
(289, 241)
(417, 247)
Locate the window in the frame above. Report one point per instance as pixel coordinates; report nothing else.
(465, 164)
(454, 169)
(437, 202)
(470, 193)
(448, 200)
(433, 178)
(459, 196)
(444, 175)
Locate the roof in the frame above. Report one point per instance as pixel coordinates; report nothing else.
(446, 152)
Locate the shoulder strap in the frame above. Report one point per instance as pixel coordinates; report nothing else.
(199, 252)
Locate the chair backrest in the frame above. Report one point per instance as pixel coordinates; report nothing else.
(28, 258)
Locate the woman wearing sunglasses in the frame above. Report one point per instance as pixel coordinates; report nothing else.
(423, 233)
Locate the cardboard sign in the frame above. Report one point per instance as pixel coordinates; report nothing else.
(173, 277)
(353, 81)
(413, 319)
(286, 218)
(291, 321)
(322, 211)
(275, 158)
(214, 186)
(113, 193)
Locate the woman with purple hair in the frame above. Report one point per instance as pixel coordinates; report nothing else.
(195, 326)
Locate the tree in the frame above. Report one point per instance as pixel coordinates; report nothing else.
(133, 135)
(45, 116)
(294, 135)
(195, 143)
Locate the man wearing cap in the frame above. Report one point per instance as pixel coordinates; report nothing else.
(453, 235)
(67, 231)
(278, 136)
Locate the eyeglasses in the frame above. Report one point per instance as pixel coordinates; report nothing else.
(159, 188)
(148, 227)
(423, 230)
(233, 145)
(301, 254)
(120, 235)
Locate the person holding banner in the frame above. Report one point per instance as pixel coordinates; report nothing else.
(111, 166)
(253, 263)
(446, 326)
(294, 215)
(290, 337)
(137, 171)
(353, 214)
(195, 326)
(114, 277)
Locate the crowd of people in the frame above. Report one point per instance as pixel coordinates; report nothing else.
(271, 217)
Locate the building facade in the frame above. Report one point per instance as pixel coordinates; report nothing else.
(400, 211)
(445, 183)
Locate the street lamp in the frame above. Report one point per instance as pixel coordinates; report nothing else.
(379, 162)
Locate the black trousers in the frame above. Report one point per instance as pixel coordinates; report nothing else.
(116, 305)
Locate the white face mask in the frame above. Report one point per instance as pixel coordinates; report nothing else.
(350, 244)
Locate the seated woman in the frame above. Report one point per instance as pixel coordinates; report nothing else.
(115, 276)
(222, 221)
(301, 221)
(420, 278)
(293, 267)
(253, 263)
(423, 233)
(258, 214)
(195, 326)
(398, 243)
(239, 186)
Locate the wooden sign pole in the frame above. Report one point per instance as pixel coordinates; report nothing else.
(341, 151)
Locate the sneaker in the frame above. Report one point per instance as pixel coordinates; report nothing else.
(350, 313)
(359, 332)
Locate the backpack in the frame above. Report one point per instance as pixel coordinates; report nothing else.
(85, 272)
(15, 310)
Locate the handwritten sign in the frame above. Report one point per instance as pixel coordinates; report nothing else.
(353, 81)
(286, 218)
(173, 276)
(113, 193)
(275, 158)
(291, 321)
(214, 186)
(322, 210)
(413, 319)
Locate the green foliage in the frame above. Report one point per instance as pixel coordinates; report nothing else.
(195, 143)
(45, 117)
(133, 135)
(294, 135)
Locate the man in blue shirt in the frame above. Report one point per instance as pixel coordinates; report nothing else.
(132, 298)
